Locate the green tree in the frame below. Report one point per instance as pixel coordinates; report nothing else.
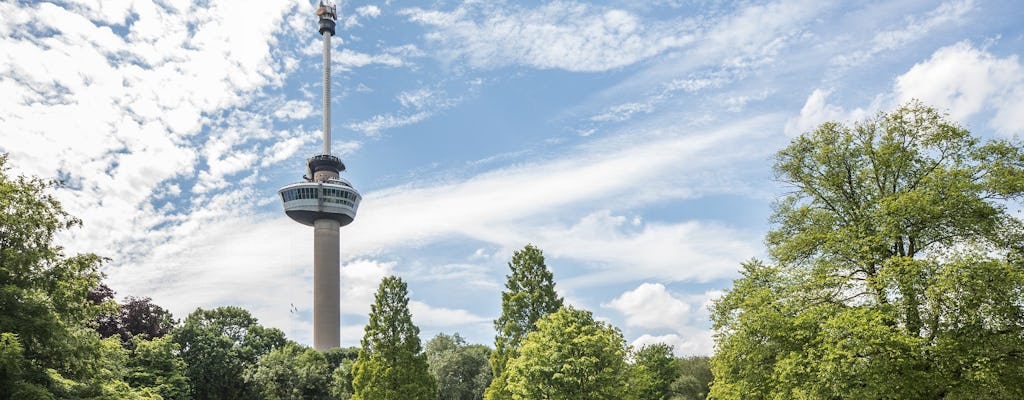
(570, 356)
(50, 348)
(291, 372)
(896, 270)
(694, 380)
(156, 364)
(340, 360)
(530, 296)
(218, 345)
(652, 372)
(391, 364)
(461, 370)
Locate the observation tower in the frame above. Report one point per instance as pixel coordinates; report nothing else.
(326, 202)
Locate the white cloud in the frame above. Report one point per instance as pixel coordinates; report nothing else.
(692, 343)
(294, 109)
(959, 79)
(564, 35)
(623, 112)
(650, 305)
(425, 315)
(116, 113)
(817, 110)
(370, 11)
(359, 282)
(379, 123)
(911, 29)
(963, 80)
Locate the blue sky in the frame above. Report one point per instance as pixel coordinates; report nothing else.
(631, 141)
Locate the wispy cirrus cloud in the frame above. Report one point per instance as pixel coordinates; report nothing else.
(564, 35)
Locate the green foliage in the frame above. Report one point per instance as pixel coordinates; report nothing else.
(652, 372)
(530, 296)
(50, 348)
(157, 364)
(694, 380)
(340, 360)
(291, 372)
(391, 364)
(896, 273)
(461, 370)
(569, 356)
(218, 346)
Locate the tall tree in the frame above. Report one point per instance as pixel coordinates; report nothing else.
(291, 372)
(897, 272)
(218, 345)
(391, 364)
(461, 370)
(570, 356)
(652, 372)
(530, 296)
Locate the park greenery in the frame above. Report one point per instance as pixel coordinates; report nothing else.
(895, 271)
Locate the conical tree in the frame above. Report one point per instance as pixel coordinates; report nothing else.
(530, 297)
(391, 364)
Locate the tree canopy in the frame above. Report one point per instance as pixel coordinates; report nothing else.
(461, 370)
(569, 356)
(897, 269)
(391, 364)
(218, 346)
(530, 296)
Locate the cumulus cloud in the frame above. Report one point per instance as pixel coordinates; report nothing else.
(960, 79)
(964, 80)
(817, 110)
(650, 305)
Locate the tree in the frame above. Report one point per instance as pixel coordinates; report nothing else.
(652, 372)
(694, 380)
(461, 370)
(156, 364)
(897, 271)
(530, 296)
(137, 316)
(291, 372)
(340, 360)
(218, 345)
(49, 346)
(391, 364)
(569, 356)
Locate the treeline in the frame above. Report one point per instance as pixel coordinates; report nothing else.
(63, 335)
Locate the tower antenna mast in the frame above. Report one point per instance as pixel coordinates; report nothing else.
(328, 14)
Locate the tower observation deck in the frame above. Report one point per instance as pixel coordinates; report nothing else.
(326, 202)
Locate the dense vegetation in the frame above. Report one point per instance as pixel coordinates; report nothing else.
(896, 272)
(63, 335)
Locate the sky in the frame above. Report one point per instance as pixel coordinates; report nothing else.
(631, 141)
